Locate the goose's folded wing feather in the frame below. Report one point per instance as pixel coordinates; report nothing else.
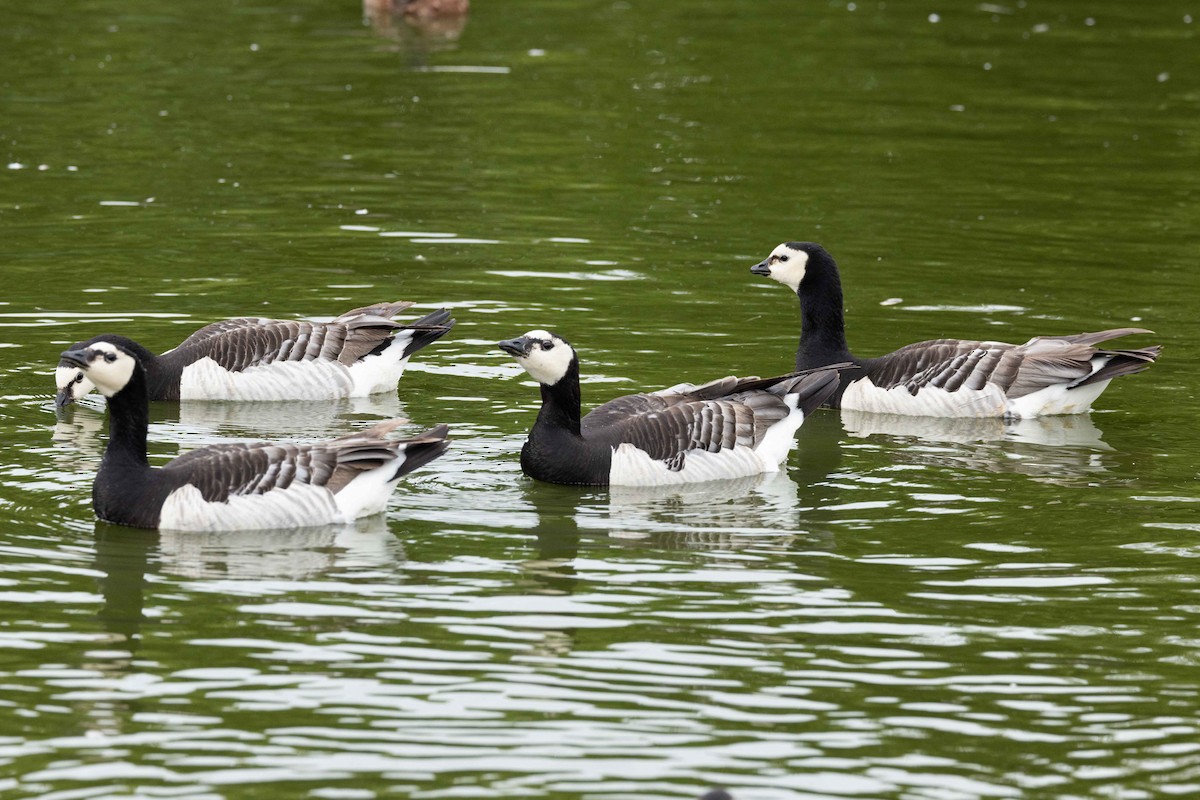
(949, 364)
(1017, 370)
(622, 408)
(224, 470)
(221, 471)
(667, 427)
(237, 344)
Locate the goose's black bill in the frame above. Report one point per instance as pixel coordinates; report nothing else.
(63, 398)
(78, 358)
(518, 347)
(761, 268)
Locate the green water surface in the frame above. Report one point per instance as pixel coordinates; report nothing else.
(914, 609)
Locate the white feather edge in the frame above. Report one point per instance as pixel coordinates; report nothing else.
(632, 466)
(318, 379)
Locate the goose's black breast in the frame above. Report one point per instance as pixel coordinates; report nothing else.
(129, 494)
(558, 456)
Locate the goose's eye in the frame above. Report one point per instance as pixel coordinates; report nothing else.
(78, 378)
(110, 357)
(783, 258)
(547, 345)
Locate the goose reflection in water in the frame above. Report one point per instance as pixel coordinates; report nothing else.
(758, 510)
(79, 426)
(287, 420)
(194, 423)
(286, 554)
(1055, 448)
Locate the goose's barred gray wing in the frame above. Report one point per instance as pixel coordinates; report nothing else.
(949, 364)
(631, 405)
(719, 415)
(238, 344)
(1016, 370)
(228, 470)
(384, 310)
(668, 428)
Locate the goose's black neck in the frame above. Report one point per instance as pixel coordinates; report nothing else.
(561, 402)
(822, 319)
(556, 450)
(128, 422)
(161, 373)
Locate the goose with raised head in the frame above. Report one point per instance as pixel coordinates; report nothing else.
(362, 352)
(947, 377)
(727, 428)
(237, 486)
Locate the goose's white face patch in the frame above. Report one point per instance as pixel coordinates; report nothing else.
(72, 381)
(549, 357)
(110, 368)
(787, 266)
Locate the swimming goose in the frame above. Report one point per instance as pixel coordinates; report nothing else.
(728, 428)
(237, 486)
(947, 377)
(362, 352)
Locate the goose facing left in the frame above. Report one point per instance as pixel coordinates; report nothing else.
(362, 352)
(1047, 375)
(727, 428)
(237, 486)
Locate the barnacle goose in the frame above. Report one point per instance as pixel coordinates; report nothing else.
(237, 486)
(947, 377)
(728, 428)
(362, 352)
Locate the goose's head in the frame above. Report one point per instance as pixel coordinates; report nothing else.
(105, 364)
(72, 383)
(547, 357)
(790, 261)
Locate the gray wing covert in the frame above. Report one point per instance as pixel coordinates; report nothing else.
(243, 343)
(949, 364)
(222, 471)
(668, 427)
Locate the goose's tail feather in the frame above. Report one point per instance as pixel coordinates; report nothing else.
(423, 448)
(427, 330)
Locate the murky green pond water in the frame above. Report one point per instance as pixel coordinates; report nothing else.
(913, 610)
